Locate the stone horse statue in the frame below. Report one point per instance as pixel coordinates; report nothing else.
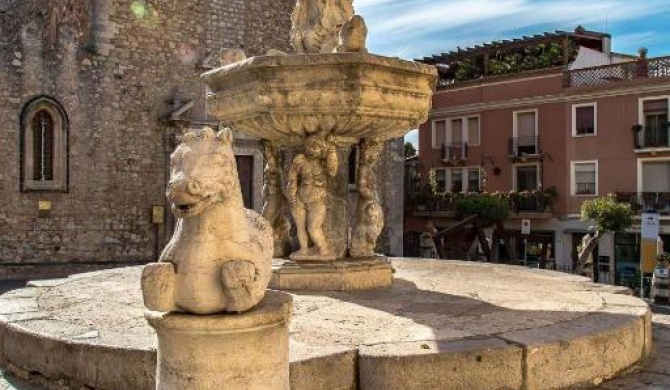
(220, 256)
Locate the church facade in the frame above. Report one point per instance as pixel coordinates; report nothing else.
(93, 97)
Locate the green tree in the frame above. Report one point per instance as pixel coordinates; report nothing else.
(410, 150)
(489, 208)
(608, 216)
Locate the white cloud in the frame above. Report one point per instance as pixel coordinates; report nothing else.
(416, 28)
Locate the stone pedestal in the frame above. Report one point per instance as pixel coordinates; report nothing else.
(247, 351)
(341, 275)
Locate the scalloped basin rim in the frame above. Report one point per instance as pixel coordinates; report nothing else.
(319, 59)
(351, 95)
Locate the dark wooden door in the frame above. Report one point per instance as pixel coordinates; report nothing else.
(245, 170)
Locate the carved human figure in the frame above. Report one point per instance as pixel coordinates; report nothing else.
(353, 36)
(274, 206)
(220, 256)
(317, 24)
(307, 191)
(369, 214)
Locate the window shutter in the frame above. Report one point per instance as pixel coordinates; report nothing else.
(473, 130)
(440, 133)
(526, 124)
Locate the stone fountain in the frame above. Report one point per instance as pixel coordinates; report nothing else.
(310, 108)
(443, 324)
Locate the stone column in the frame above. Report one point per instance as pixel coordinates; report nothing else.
(247, 351)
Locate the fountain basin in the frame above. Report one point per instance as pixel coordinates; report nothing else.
(357, 95)
(443, 324)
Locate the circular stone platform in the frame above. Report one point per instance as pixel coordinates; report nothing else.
(443, 324)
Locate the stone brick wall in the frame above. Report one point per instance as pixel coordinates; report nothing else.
(115, 66)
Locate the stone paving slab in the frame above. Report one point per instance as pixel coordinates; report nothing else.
(436, 304)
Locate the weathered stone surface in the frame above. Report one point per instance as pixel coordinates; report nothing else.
(246, 351)
(316, 25)
(220, 256)
(323, 368)
(341, 275)
(594, 347)
(430, 302)
(117, 80)
(469, 364)
(355, 95)
(307, 190)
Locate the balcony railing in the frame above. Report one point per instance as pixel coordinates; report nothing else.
(659, 201)
(520, 146)
(625, 71)
(457, 151)
(651, 137)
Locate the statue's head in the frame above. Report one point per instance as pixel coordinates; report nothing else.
(316, 145)
(203, 171)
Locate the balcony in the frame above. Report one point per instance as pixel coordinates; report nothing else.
(651, 137)
(454, 153)
(524, 147)
(529, 204)
(659, 201)
(642, 68)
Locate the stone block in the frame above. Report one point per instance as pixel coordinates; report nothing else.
(323, 369)
(577, 352)
(468, 364)
(340, 275)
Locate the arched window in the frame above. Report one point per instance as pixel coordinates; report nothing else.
(44, 138)
(43, 142)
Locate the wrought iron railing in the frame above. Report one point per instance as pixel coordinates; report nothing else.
(456, 151)
(642, 201)
(624, 71)
(519, 146)
(651, 137)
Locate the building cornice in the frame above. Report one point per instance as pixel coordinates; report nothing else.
(534, 101)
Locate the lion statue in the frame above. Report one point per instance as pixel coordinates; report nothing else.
(220, 256)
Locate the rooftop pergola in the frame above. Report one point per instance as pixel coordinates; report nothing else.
(483, 53)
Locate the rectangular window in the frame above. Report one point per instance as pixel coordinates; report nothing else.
(441, 180)
(584, 119)
(455, 132)
(473, 130)
(456, 180)
(525, 133)
(656, 123)
(656, 177)
(439, 134)
(526, 124)
(585, 178)
(526, 177)
(474, 180)
(463, 130)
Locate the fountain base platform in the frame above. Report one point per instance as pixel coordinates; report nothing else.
(340, 275)
(441, 324)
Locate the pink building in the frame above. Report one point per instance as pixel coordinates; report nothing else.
(555, 119)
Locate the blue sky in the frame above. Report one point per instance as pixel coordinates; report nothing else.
(417, 28)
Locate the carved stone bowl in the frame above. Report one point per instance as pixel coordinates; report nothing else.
(352, 95)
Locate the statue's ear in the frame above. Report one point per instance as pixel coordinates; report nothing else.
(225, 135)
(207, 133)
(188, 137)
